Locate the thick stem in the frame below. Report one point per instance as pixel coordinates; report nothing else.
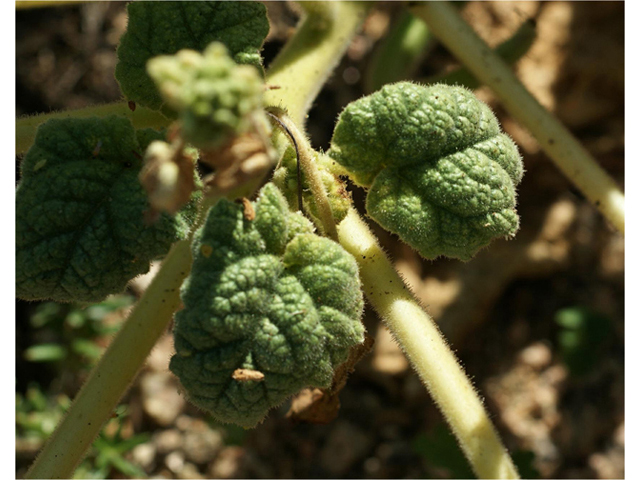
(554, 138)
(117, 368)
(306, 61)
(140, 117)
(122, 360)
(428, 352)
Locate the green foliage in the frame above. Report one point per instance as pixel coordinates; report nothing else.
(107, 454)
(164, 28)
(439, 172)
(400, 52)
(268, 296)
(80, 226)
(212, 95)
(286, 178)
(440, 449)
(582, 338)
(37, 416)
(523, 460)
(269, 307)
(75, 329)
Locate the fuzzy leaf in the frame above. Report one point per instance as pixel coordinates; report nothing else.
(439, 172)
(270, 308)
(164, 28)
(80, 228)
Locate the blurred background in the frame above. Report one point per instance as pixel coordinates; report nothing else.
(538, 321)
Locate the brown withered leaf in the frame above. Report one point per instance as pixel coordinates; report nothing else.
(243, 158)
(248, 211)
(321, 406)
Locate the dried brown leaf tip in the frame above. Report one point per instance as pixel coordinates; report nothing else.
(243, 158)
(321, 406)
(314, 405)
(249, 212)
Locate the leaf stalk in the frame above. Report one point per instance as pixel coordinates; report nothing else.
(117, 368)
(426, 348)
(304, 64)
(306, 161)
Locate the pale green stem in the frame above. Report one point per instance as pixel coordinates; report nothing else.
(306, 157)
(320, 12)
(141, 118)
(117, 368)
(300, 71)
(424, 345)
(511, 50)
(306, 61)
(554, 138)
(122, 360)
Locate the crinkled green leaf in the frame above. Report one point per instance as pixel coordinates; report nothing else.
(80, 212)
(440, 173)
(164, 28)
(264, 295)
(213, 96)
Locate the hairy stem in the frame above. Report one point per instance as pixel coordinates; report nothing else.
(122, 360)
(306, 158)
(300, 70)
(554, 138)
(141, 117)
(428, 352)
(511, 50)
(306, 61)
(117, 368)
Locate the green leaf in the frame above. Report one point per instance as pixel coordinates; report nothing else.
(45, 352)
(164, 28)
(400, 52)
(524, 461)
(439, 172)
(583, 338)
(87, 349)
(80, 212)
(268, 296)
(440, 449)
